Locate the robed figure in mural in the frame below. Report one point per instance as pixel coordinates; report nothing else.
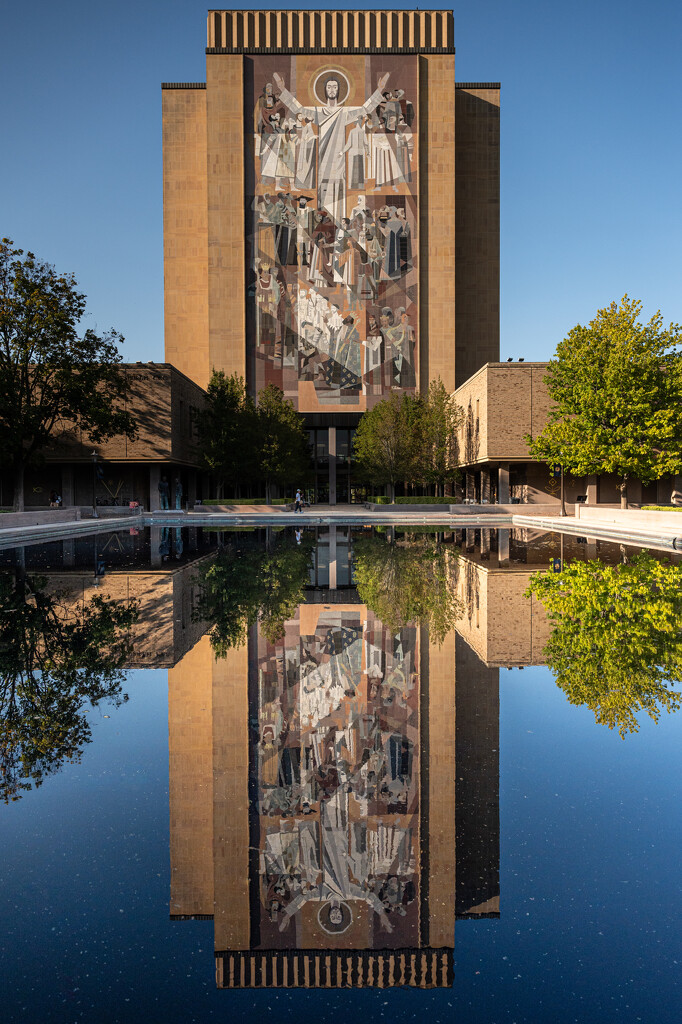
(332, 120)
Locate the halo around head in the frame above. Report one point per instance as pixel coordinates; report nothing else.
(335, 917)
(319, 85)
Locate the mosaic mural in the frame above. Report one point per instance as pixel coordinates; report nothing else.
(337, 768)
(331, 176)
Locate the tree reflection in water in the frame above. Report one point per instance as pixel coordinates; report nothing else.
(56, 657)
(248, 582)
(616, 644)
(411, 579)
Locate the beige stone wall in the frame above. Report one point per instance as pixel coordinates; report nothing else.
(473, 431)
(185, 231)
(225, 195)
(163, 404)
(190, 757)
(477, 251)
(231, 800)
(500, 624)
(441, 774)
(437, 220)
(513, 402)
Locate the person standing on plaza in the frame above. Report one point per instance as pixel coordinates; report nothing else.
(298, 507)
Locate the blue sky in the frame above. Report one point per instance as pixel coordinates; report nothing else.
(591, 152)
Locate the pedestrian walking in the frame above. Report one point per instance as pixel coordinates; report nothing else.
(298, 507)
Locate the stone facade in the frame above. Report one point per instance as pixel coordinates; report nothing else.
(320, 242)
(164, 403)
(503, 403)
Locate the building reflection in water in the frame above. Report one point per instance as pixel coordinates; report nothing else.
(334, 795)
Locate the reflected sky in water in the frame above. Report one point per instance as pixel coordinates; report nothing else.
(553, 842)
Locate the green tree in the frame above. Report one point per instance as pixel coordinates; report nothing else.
(616, 644)
(50, 376)
(282, 442)
(409, 580)
(56, 658)
(227, 430)
(388, 441)
(441, 420)
(617, 391)
(247, 583)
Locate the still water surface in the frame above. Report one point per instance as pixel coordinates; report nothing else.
(376, 802)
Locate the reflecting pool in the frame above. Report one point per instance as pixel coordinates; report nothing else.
(340, 771)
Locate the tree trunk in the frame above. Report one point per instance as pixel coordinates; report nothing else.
(268, 489)
(19, 488)
(391, 493)
(623, 487)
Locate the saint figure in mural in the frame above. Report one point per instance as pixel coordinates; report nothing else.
(331, 119)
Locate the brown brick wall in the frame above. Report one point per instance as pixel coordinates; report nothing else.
(185, 231)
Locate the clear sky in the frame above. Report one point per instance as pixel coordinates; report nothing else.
(591, 152)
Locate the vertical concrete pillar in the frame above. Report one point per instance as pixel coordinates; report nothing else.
(503, 547)
(332, 465)
(154, 478)
(191, 488)
(503, 483)
(470, 486)
(592, 490)
(470, 540)
(332, 558)
(485, 544)
(485, 486)
(154, 545)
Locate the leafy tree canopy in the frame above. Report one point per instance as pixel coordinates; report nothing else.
(283, 451)
(55, 659)
(616, 643)
(386, 442)
(409, 580)
(50, 376)
(616, 386)
(411, 438)
(247, 583)
(227, 431)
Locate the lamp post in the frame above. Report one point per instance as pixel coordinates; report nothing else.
(94, 484)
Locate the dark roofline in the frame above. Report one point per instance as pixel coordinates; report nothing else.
(183, 85)
(477, 85)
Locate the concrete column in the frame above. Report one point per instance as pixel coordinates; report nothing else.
(485, 544)
(503, 547)
(592, 490)
(154, 477)
(503, 483)
(470, 540)
(664, 491)
(332, 465)
(68, 492)
(332, 558)
(191, 488)
(469, 485)
(154, 544)
(485, 485)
